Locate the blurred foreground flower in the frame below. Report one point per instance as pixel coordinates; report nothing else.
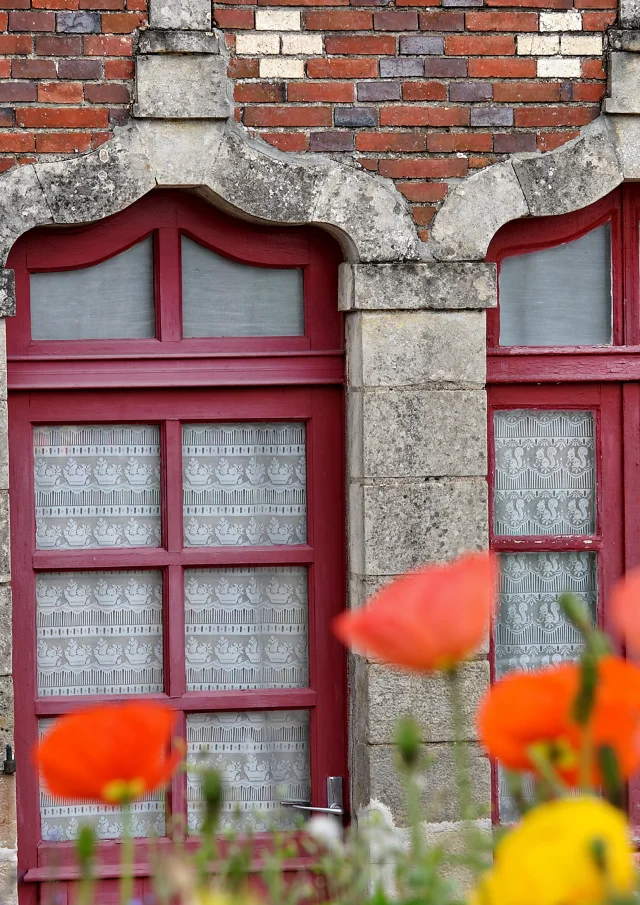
(429, 619)
(528, 716)
(110, 753)
(574, 851)
(624, 609)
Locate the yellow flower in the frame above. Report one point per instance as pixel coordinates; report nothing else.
(574, 851)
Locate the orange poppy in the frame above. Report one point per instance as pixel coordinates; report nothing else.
(624, 608)
(525, 711)
(111, 753)
(429, 619)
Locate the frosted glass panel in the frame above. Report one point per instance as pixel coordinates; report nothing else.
(61, 820)
(221, 297)
(112, 300)
(558, 296)
(263, 757)
(545, 473)
(244, 484)
(99, 633)
(246, 628)
(97, 486)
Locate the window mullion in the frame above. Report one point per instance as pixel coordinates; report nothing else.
(167, 272)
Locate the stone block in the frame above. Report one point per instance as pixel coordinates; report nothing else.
(278, 20)
(179, 152)
(176, 86)
(474, 211)
(391, 694)
(254, 45)
(558, 68)
(192, 14)
(9, 881)
(439, 796)
(629, 13)
(408, 523)
(6, 713)
(626, 134)
(306, 45)
(624, 83)
(537, 45)
(567, 20)
(279, 68)
(581, 45)
(7, 811)
(414, 348)
(156, 40)
(78, 23)
(624, 39)
(24, 206)
(7, 293)
(5, 632)
(572, 177)
(414, 433)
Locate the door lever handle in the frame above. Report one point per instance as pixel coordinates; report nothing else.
(334, 800)
(306, 806)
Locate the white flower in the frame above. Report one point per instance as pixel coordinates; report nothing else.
(326, 830)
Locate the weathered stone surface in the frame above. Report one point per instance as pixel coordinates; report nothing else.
(182, 86)
(6, 714)
(4, 452)
(24, 205)
(157, 40)
(624, 83)
(439, 798)
(7, 812)
(415, 348)
(391, 694)
(7, 293)
(474, 211)
(626, 130)
(180, 14)
(625, 38)
(407, 286)
(408, 523)
(574, 176)
(169, 148)
(629, 13)
(9, 880)
(5, 632)
(414, 433)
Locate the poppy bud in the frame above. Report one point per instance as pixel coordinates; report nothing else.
(213, 797)
(85, 845)
(408, 741)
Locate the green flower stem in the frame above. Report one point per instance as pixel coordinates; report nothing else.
(127, 853)
(460, 752)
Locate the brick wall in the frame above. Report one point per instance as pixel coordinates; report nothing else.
(421, 91)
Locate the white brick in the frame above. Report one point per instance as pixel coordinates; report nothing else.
(581, 45)
(279, 68)
(302, 44)
(538, 45)
(278, 20)
(571, 20)
(257, 44)
(558, 68)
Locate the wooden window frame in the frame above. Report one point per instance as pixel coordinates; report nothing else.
(169, 381)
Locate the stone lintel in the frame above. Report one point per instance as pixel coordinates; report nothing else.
(162, 40)
(177, 86)
(624, 83)
(192, 14)
(7, 293)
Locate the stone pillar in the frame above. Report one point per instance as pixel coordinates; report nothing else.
(417, 465)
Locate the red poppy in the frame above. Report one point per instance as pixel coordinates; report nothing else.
(429, 619)
(624, 608)
(109, 753)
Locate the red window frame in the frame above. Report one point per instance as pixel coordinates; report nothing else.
(167, 381)
(602, 379)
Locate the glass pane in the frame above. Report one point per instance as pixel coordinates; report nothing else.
(263, 757)
(530, 629)
(221, 297)
(545, 476)
(99, 633)
(558, 296)
(112, 300)
(244, 484)
(246, 628)
(97, 486)
(61, 819)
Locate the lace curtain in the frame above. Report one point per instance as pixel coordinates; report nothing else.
(263, 757)
(244, 484)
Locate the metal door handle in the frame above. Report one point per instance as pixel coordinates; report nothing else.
(306, 806)
(335, 801)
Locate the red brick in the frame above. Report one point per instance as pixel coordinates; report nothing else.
(62, 142)
(17, 142)
(597, 21)
(533, 4)
(5, 69)
(488, 21)
(295, 2)
(417, 2)
(342, 69)
(58, 46)
(368, 163)
(7, 117)
(424, 168)
(6, 163)
(395, 20)
(378, 45)
(259, 93)
(4, 21)
(423, 214)
(18, 91)
(436, 20)
(15, 44)
(549, 141)
(243, 69)
(502, 68)
(101, 4)
(65, 118)
(592, 92)
(424, 91)
(592, 69)
(109, 46)
(15, 4)
(450, 142)
(97, 138)
(79, 70)
(119, 69)
(54, 4)
(390, 141)
(424, 191)
(596, 4)
(33, 69)
(121, 23)
(554, 116)
(60, 93)
(476, 163)
(107, 94)
(419, 115)
(19, 21)
(288, 116)
(314, 92)
(338, 20)
(479, 45)
(526, 92)
(234, 18)
(288, 141)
